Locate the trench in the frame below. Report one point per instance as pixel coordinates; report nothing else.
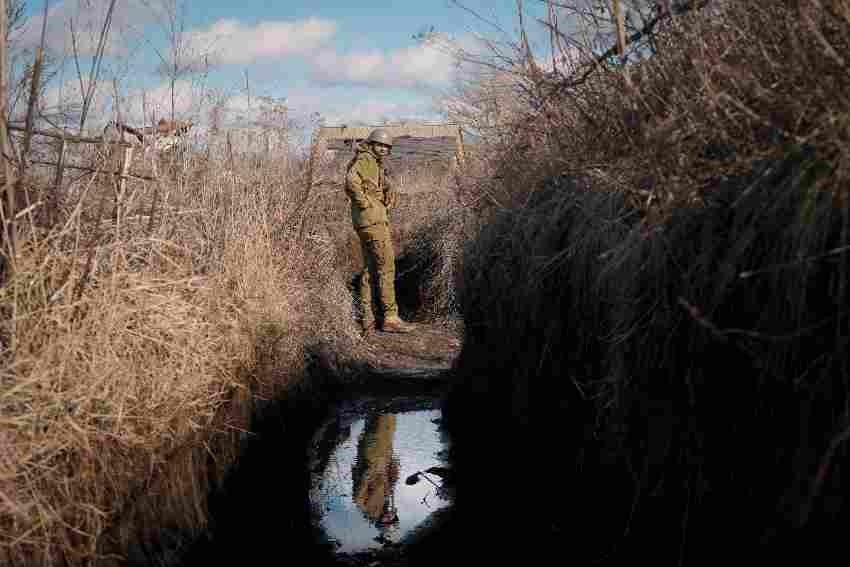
(291, 497)
(340, 472)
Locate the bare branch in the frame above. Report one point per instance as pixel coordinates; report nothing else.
(98, 58)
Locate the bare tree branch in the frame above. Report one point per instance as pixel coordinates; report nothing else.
(98, 58)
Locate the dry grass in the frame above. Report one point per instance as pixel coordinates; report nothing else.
(146, 336)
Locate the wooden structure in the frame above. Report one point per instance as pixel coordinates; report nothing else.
(411, 142)
(64, 139)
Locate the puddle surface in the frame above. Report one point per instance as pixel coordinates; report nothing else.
(371, 484)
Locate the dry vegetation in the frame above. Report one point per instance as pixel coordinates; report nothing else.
(147, 332)
(661, 254)
(133, 345)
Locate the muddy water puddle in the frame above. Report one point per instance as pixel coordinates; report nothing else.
(378, 472)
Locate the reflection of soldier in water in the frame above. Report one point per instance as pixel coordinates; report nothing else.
(375, 473)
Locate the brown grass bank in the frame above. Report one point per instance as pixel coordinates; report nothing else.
(155, 337)
(667, 269)
(149, 335)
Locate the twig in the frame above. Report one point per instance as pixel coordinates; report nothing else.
(724, 333)
(777, 267)
(95, 70)
(35, 79)
(94, 170)
(635, 37)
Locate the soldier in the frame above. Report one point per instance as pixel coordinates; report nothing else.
(371, 197)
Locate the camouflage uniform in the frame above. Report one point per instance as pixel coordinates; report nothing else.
(371, 196)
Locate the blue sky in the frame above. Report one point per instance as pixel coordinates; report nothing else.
(348, 61)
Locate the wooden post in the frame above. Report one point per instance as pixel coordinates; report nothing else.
(461, 153)
(126, 160)
(460, 158)
(123, 172)
(311, 162)
(620, 20)
(9, 229)
(10, 234)
(53, 197)
(229, 150)
(311, 165)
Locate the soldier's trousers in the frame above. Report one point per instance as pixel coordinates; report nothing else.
(377, 280)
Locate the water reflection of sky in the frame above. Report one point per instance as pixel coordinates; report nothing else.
(416, 442)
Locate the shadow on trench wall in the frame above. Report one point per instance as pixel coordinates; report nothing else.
(687, 413)
(262, 514)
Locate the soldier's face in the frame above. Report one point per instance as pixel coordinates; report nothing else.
(382, 150)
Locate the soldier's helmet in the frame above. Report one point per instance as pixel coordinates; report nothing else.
(380, 136)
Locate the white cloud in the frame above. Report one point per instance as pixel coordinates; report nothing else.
(64, 103)
(377, 111)
(65, 100)
(234, 42)
(85, 18)
(158, 102)
(352, 106)
(411, 67)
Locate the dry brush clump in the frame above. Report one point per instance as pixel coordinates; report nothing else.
(147, 333)
(430, 221)
(666, 262)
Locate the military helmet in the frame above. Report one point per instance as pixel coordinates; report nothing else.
(380, 136)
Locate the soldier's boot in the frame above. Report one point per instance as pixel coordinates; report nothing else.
(396, 325)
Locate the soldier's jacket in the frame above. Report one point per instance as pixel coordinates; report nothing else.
(368, 188)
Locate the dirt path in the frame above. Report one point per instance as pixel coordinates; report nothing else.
(406, 363)
(430, 347)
